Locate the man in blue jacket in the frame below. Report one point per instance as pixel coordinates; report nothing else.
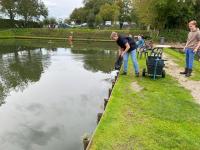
(127, 46)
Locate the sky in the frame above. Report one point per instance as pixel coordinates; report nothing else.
(62, 8)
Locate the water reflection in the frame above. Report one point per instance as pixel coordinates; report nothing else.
(20, 68)
(97, 60)
(52, 95)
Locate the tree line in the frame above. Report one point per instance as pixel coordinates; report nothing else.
(95, 12)
(29, 10)
(154, 14)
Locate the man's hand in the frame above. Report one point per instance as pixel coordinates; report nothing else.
(198, 46)
(195, 50)
(122, 54)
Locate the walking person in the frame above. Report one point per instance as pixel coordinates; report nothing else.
(127, 46)
(192, 46)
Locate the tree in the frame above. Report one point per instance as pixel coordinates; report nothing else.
(91, 10)
(109, 12)
(30, 9)
(197, 10)
(52, 21)
(9, 7)
(91, 19)
(98, 20)
(165, 14)
(145, 11)
(125, 10)
(79, 15)
(43, 10)
(173, 14)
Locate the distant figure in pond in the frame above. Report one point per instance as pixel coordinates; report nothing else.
(70, 40)
(127, 46)
(192, 46)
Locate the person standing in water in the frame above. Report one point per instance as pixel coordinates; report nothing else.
(127, 46)
(192, 46)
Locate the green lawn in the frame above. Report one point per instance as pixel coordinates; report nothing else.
(180, 60)
(162, 116)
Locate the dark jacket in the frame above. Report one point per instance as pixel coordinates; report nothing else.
(122, 41)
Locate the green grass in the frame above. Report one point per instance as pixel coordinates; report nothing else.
(64, 33)
(180, 60)
(162, 116)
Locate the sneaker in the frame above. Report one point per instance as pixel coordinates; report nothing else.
(124, 73)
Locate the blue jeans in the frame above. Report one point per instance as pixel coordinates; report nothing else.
(134, 60)
(189, 58)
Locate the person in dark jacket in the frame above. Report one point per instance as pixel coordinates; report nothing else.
(127, 46)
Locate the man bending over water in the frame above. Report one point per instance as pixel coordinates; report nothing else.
(127, 46)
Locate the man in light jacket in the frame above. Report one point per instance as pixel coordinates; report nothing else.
(192, 46)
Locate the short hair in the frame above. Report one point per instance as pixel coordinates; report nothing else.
(193, 22)
(113, 34)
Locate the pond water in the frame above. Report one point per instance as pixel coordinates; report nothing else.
(50, 93)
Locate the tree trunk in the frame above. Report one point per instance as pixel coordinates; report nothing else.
(11, 15)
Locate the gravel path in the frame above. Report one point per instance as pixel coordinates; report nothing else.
(174, 70)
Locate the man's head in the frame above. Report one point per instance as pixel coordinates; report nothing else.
(114, 36)
(192, 25)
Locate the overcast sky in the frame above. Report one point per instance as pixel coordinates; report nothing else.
(62, 8)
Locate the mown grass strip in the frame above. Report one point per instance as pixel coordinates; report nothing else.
(161, 116)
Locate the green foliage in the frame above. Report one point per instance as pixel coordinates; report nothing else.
(28, 9)
(79, 15)
(7, 23)
(103, 10)
(173, 15)
(98, 19)
(109, 12)
(166, 14)
(50, 21)
(9, 7)
(171, 35)
(91, 19)
(125, 10)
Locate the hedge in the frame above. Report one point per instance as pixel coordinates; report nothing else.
(7, 23)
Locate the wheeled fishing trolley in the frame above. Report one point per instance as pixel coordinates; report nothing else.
(155, 65)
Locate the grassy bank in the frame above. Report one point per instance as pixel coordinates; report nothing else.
(170, 35)
(64, 33)
(161, 116)
(180, 60)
